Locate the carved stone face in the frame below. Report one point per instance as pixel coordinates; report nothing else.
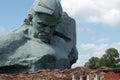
(44, 26)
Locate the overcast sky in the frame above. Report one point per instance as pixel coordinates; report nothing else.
(97, 23)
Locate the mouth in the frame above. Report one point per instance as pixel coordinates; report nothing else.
(44, 37)
(40, 35)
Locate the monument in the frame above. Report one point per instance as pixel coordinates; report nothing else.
(46, 40)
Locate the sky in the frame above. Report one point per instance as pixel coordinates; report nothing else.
(97, 23)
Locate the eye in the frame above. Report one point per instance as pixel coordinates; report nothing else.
(52, 26)
(41, 24)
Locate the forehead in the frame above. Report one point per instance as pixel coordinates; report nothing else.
(45, 18)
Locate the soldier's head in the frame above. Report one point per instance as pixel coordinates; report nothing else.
(46, 15)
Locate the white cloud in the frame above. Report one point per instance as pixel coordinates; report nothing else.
(88, 50)
(112, 17)
(108, 4)
(94, 11)
(87, 46)
(92, 19)
(80, 8)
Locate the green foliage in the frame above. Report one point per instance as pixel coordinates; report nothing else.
(93, 61)
(111, 58)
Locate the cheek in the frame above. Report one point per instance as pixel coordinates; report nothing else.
(35, 25)
(34, 21)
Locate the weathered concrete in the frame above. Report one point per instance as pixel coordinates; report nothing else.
(46, 40)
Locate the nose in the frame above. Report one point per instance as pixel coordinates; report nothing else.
(47, 29)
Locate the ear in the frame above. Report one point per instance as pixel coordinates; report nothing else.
(28, 19)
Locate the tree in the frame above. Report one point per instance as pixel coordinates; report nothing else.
(93, 61)
(110, 58)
